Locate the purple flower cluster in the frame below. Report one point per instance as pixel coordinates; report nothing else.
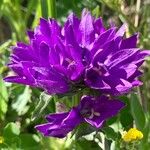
(82, 54)
(91, 110)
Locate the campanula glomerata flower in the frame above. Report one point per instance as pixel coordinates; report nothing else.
(82, 53)
(94, 111)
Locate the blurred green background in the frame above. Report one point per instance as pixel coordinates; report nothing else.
(18, 102)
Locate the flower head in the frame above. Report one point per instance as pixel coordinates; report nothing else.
(132, 135)
(82, 53)
(94, 111)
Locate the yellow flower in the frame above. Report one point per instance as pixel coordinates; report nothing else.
(1, 139)
(132, 135)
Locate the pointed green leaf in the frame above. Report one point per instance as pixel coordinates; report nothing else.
(3, 99)
(110, 133)
(83, 129)
(20, 105)
(3, 90)
(44, 8)
(137, 112)
(43, 102)
(11, 130)
(125, 115)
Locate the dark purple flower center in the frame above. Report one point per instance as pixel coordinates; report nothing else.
(100, 69)
(93, 73)
(89, 113)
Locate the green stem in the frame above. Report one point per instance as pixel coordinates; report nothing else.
(106, 144)
(52, 8)
(44, 8)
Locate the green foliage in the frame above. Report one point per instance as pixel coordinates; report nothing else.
(83, 144)
(110, 133)
(83, 129)
(48, 8)
(13, 139)
(137, 112)
(125, 115)
(42, 104)
(3, 99)
(11, 130)
(20, 105)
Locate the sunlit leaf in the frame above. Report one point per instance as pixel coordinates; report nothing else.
(11, 130)
(20, 105)
(42, 104)
(3, 99)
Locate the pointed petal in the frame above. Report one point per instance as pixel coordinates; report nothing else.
(129, 42)
(86, 28)
(98, 26)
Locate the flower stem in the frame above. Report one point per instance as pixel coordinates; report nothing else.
(44, 9)
(48, 8)
(138, 3)
(52, 8)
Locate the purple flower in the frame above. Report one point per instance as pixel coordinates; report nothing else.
(80, 54)
(94, 111)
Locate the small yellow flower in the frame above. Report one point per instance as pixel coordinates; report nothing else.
(132, 135)
(1, 140)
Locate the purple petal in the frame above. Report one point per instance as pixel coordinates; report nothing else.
(19, 80)
(101, 109)
(30, 34)
(121, 31)
(56, 116)
(44, 54)
(60, 124)
(118, 85)
(129, 42)
(98, 26)
(97, 122)
(121, 57)
(95, 80)
(53, 87)
(44, 27)
(86, 28)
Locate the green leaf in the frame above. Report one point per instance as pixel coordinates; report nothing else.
(3, 108)
(144, 145)
(3, 99)
(21, 103)
(83, 129)
(52, 106)
(44, 8)
(110, 133)
(11, 130)
(84, 144)
(96, 12)
(30, 8)
(52, 8)
(112, 120)
(137, 112)
(30, 142)
(5, 45)
(126, 118)
(44, 101)
(3, 90)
